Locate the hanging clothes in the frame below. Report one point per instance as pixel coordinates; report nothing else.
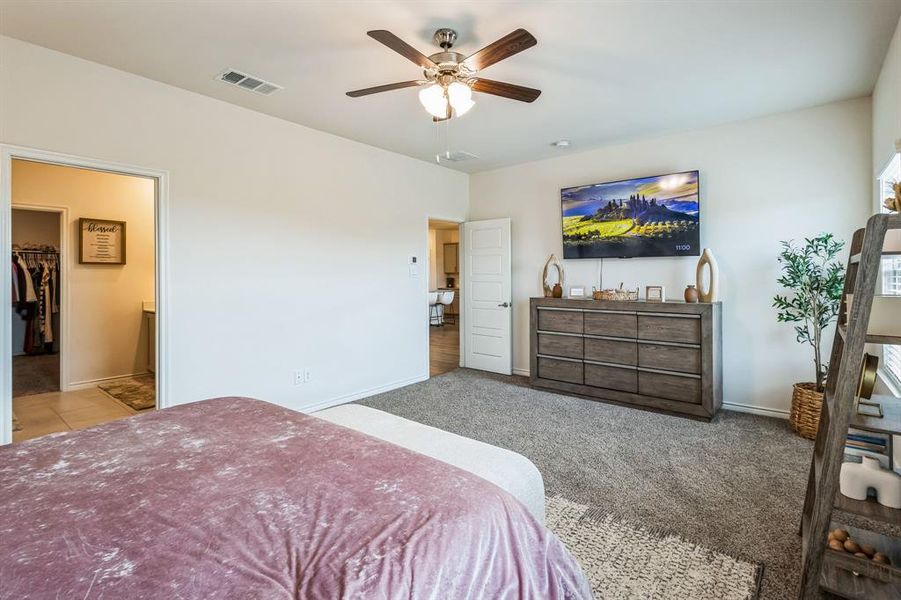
(15, 282)
(30, 295)
(35, 294)
(46, 307)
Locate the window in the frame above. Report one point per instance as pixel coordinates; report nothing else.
(891, 273)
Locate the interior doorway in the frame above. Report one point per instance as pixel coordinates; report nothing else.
(445, 299)
(37, 233)
(82, 329)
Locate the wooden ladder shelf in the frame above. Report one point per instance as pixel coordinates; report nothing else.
(842, 573)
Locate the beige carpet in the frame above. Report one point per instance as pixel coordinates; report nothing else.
(136, 392)
(630, 562)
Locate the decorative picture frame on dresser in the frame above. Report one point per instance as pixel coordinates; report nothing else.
(576, 292)
(655, 293)
(665, 357)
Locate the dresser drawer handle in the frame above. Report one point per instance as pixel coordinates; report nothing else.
(541, 332)
(674, 373)
(613, 365)
(674, 344)
(668, 315)
(574, 360)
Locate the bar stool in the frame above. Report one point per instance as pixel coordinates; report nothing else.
(447, 298)
(434, 310)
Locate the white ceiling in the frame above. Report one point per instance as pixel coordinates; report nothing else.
(609, 71)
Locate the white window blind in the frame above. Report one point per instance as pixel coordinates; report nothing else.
(891, 274)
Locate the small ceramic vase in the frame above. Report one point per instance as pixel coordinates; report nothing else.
(557, 291)
(691, 294)
(857, 478)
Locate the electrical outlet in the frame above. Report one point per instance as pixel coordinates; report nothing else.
(302, 376)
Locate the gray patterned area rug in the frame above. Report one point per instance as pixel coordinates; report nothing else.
(624, 561)
(137, 392)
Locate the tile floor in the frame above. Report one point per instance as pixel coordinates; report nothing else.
(41, 414)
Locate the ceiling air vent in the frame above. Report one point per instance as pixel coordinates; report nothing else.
(455, 156)
(248, 82)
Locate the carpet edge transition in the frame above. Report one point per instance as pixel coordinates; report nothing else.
(560, 509)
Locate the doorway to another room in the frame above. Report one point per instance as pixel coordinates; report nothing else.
(83, 330)
(444, 296)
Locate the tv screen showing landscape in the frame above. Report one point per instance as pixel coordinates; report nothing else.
(650, 216)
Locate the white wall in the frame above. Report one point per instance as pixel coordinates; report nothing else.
(762, 181)
(288, 246)
(107, 328)
(887, 107)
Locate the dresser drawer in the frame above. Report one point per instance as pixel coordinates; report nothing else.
(564, 321)
(611, 351)
(612, 378)
(611, 323)
(668, 328)
(671, 387)
(669, 358)
(569, 346)
(560, 370)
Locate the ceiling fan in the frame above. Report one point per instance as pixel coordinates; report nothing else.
(449, 77)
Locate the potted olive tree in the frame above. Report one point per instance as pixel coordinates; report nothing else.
(814, 280)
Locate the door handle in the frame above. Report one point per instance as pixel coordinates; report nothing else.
(504, 305)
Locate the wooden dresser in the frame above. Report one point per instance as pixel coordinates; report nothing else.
(664, 356)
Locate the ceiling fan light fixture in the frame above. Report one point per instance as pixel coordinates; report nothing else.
(460, 97)
(434, 101)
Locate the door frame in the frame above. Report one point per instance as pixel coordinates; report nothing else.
(8, 153)
(425, 293)
(64, 355)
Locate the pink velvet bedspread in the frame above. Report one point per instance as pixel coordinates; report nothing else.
(237, 498)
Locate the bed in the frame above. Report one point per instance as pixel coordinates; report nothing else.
(508, 470)
(238, 498)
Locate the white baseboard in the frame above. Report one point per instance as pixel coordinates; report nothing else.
(323, 404)
(523, 372)
(779, 413)
(83, 385)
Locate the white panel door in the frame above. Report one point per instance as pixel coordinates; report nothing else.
(487, 326)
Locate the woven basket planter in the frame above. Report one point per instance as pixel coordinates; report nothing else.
(807, 403)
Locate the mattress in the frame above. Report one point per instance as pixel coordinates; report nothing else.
(508, 470)
(238, 498)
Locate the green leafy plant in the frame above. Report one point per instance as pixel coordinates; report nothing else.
(815, 280)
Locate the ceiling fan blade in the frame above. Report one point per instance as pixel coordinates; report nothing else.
(505, 47)
(383, 88)
(507, 90)
(401, 47)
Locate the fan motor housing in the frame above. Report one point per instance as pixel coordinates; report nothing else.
(447, 60)
(445, 38)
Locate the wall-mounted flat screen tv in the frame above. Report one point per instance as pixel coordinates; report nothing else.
(649, 216)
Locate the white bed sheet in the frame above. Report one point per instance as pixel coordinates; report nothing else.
(508, 470)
